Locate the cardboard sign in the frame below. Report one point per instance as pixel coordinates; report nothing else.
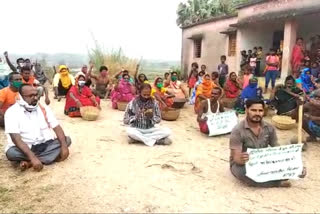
(274, 163)
(222, 123)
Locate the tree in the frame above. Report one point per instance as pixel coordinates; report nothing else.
(194, 11)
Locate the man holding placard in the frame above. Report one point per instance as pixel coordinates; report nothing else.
(208, 108)
(254, 133)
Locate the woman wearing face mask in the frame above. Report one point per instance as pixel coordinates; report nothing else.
(252, 92)
(123, 92)
(62, 82)
(176, 87)
(79, 95)
(160, 93)
(203, 91)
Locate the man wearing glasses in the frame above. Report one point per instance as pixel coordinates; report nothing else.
(29, 126)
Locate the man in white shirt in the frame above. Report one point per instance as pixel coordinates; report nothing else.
(29, 126)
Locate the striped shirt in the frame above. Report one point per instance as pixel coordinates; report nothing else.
(135, 117)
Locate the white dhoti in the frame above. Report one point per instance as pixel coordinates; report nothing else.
(148, 136)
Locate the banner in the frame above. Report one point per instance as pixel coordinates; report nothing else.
(274, 163)
(222, 122)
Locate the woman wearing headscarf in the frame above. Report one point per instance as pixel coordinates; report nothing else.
(160, 93)
(252, 91)
(285, 98)
(79, 95)
(123, 92)
(305, 81)
(62, 81)
(232, 89)
(203, 91)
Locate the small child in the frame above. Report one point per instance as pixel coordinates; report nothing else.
(223, 70)
(247, 75)
(315, 70)
(193, 76)
(249, 56)
(253, 61)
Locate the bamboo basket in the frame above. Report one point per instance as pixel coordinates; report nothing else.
(122, 106)
(178, 103)
(89, 113)
(170, 114)
(283, 122)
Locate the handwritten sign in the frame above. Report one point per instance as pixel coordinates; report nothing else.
(222, 123)
(274, 163)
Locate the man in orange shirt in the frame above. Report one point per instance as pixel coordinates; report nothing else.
(9, 95)
(29, 79)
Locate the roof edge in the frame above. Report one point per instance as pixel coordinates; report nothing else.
(213, 19)
(251, 3)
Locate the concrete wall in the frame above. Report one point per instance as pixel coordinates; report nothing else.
(274, 6)
(255, 35)
(214, 44)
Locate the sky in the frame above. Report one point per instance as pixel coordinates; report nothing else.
(142, 28)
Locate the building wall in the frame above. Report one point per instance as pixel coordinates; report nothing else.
(255, 35)
(214, 44)
(274, 6)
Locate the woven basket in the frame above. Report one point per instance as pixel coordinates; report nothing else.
(179, 103)
(170, 114)
(122, 106)
(283, 122)
(89, 113)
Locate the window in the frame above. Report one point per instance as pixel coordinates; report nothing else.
(232, 44)
(197, 48)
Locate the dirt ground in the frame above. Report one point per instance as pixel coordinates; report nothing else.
(106, 174)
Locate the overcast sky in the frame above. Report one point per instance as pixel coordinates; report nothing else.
(141, 27)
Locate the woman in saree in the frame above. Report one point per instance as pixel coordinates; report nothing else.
(305, 81)
(232, 90)
(79, 95)
(123, 92)
(164, 98)
(62, 81)
(252, 91)
(285, 98)
(203, 91)
(297, 56)
(176, 87)
(194, 90)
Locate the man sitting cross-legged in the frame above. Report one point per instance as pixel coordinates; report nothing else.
(30, 139)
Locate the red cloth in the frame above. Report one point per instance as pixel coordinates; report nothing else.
(192, 81)
(204, 127)
(84, 98)
(297, 56)
(233, 90)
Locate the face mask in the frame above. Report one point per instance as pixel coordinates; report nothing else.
(27, 106)
(81, 83)
(16, 84)
(174, 78)
(21, 64)
(144, 99)
(159, 85)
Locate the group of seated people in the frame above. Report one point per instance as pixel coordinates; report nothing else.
(28, 124)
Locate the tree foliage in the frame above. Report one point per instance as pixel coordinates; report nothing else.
(194, 11)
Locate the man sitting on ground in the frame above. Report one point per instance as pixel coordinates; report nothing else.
(29, 79)
(311, 117)
(253, 133)
(30, 138)
(9, 95)
(205, 111)
(142, 114)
